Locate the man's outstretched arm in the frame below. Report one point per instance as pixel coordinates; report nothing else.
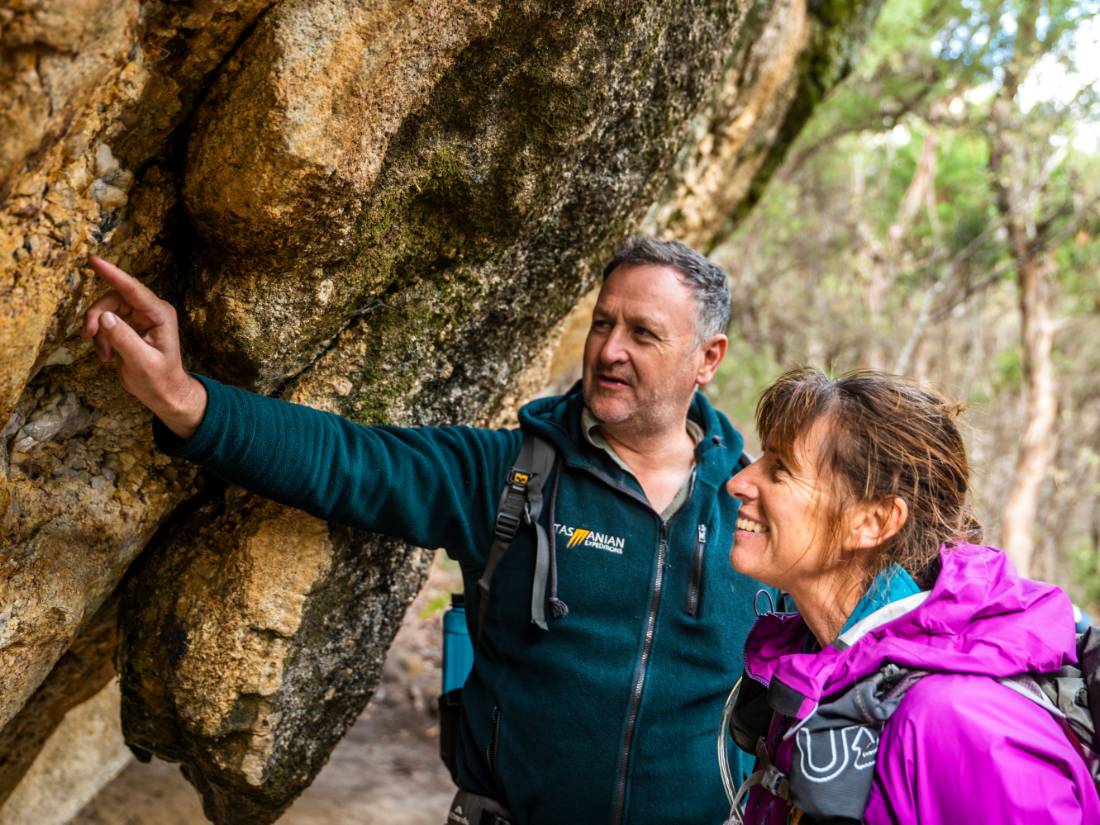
(131, 322)
(432, 486)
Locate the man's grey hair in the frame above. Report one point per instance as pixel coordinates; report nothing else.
(703, 276)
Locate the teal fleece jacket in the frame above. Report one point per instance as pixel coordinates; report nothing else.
(611, 714)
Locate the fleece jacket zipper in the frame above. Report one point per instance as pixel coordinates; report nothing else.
(642, 669)
(692, 604)
(640, 676)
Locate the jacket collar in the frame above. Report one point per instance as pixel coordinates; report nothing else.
(980, 617)
(558, 420)
(889, 587)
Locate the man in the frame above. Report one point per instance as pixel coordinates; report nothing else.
(599, 677)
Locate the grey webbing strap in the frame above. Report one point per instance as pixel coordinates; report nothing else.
(774, 781)
(525, 479)
(1027, 687)
(541, 463)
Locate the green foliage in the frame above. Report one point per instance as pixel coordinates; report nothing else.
(446, 579)
(1008, 372)
(1084, 558)
(849, 261)
(741, 378)
(436, 604)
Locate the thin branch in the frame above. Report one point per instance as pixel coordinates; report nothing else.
(924, 318)
(1065, 231)
(879, 121)
(973, 289)
(1044, 240)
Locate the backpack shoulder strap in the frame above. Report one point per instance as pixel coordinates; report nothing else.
(520, 503)
(1029, 687)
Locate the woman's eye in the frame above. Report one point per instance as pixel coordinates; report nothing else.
(777, 468)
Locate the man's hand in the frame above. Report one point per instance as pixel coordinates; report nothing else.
(131, 322)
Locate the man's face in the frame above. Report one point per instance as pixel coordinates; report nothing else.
(641, 358)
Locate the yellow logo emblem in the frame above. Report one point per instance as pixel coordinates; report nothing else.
(578, 536)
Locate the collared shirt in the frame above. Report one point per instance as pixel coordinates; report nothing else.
(591, 429)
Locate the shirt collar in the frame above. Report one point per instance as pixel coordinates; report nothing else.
(590, 427)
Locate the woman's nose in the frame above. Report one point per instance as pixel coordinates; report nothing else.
(743, 484)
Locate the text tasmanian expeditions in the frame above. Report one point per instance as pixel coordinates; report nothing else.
(580, 537)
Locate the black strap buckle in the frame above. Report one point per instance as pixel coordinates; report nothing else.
(506, 526)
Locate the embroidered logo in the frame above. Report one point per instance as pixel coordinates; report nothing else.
(581, 537)
(577, 537)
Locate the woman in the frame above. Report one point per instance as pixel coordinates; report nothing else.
(899, 691)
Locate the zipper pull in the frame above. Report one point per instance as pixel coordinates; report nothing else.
(692, 603)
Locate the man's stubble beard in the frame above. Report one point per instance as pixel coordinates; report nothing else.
(646, 417)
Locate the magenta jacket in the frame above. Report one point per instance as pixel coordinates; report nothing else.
(960, 747)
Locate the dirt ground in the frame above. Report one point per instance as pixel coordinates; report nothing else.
(386, 771)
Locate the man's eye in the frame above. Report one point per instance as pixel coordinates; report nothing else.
(600, 324)
(642, 332)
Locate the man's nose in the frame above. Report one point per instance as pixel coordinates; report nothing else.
(613, 350)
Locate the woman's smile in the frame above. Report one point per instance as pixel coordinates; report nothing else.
(748, 525)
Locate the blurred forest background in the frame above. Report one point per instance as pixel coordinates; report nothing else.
(939, 217)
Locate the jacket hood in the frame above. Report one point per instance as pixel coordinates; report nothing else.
(980, 617)
(557, 419)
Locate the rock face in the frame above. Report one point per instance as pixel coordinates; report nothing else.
(382, 209)
(266, 653)
(83, 752)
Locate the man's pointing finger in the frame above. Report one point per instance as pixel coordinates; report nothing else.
(122, 338)
(133, 291)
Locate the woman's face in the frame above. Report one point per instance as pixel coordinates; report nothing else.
(783, 535)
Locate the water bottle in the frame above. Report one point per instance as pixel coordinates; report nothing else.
(458, 651)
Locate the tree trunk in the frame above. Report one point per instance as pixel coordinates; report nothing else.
(1037, 447)
(1016, 197)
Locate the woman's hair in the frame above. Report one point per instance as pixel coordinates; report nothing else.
(886, 436)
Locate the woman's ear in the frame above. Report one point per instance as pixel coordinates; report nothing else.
(872, 523)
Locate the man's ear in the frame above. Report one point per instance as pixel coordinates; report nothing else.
(872, 523)
(714, 350)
